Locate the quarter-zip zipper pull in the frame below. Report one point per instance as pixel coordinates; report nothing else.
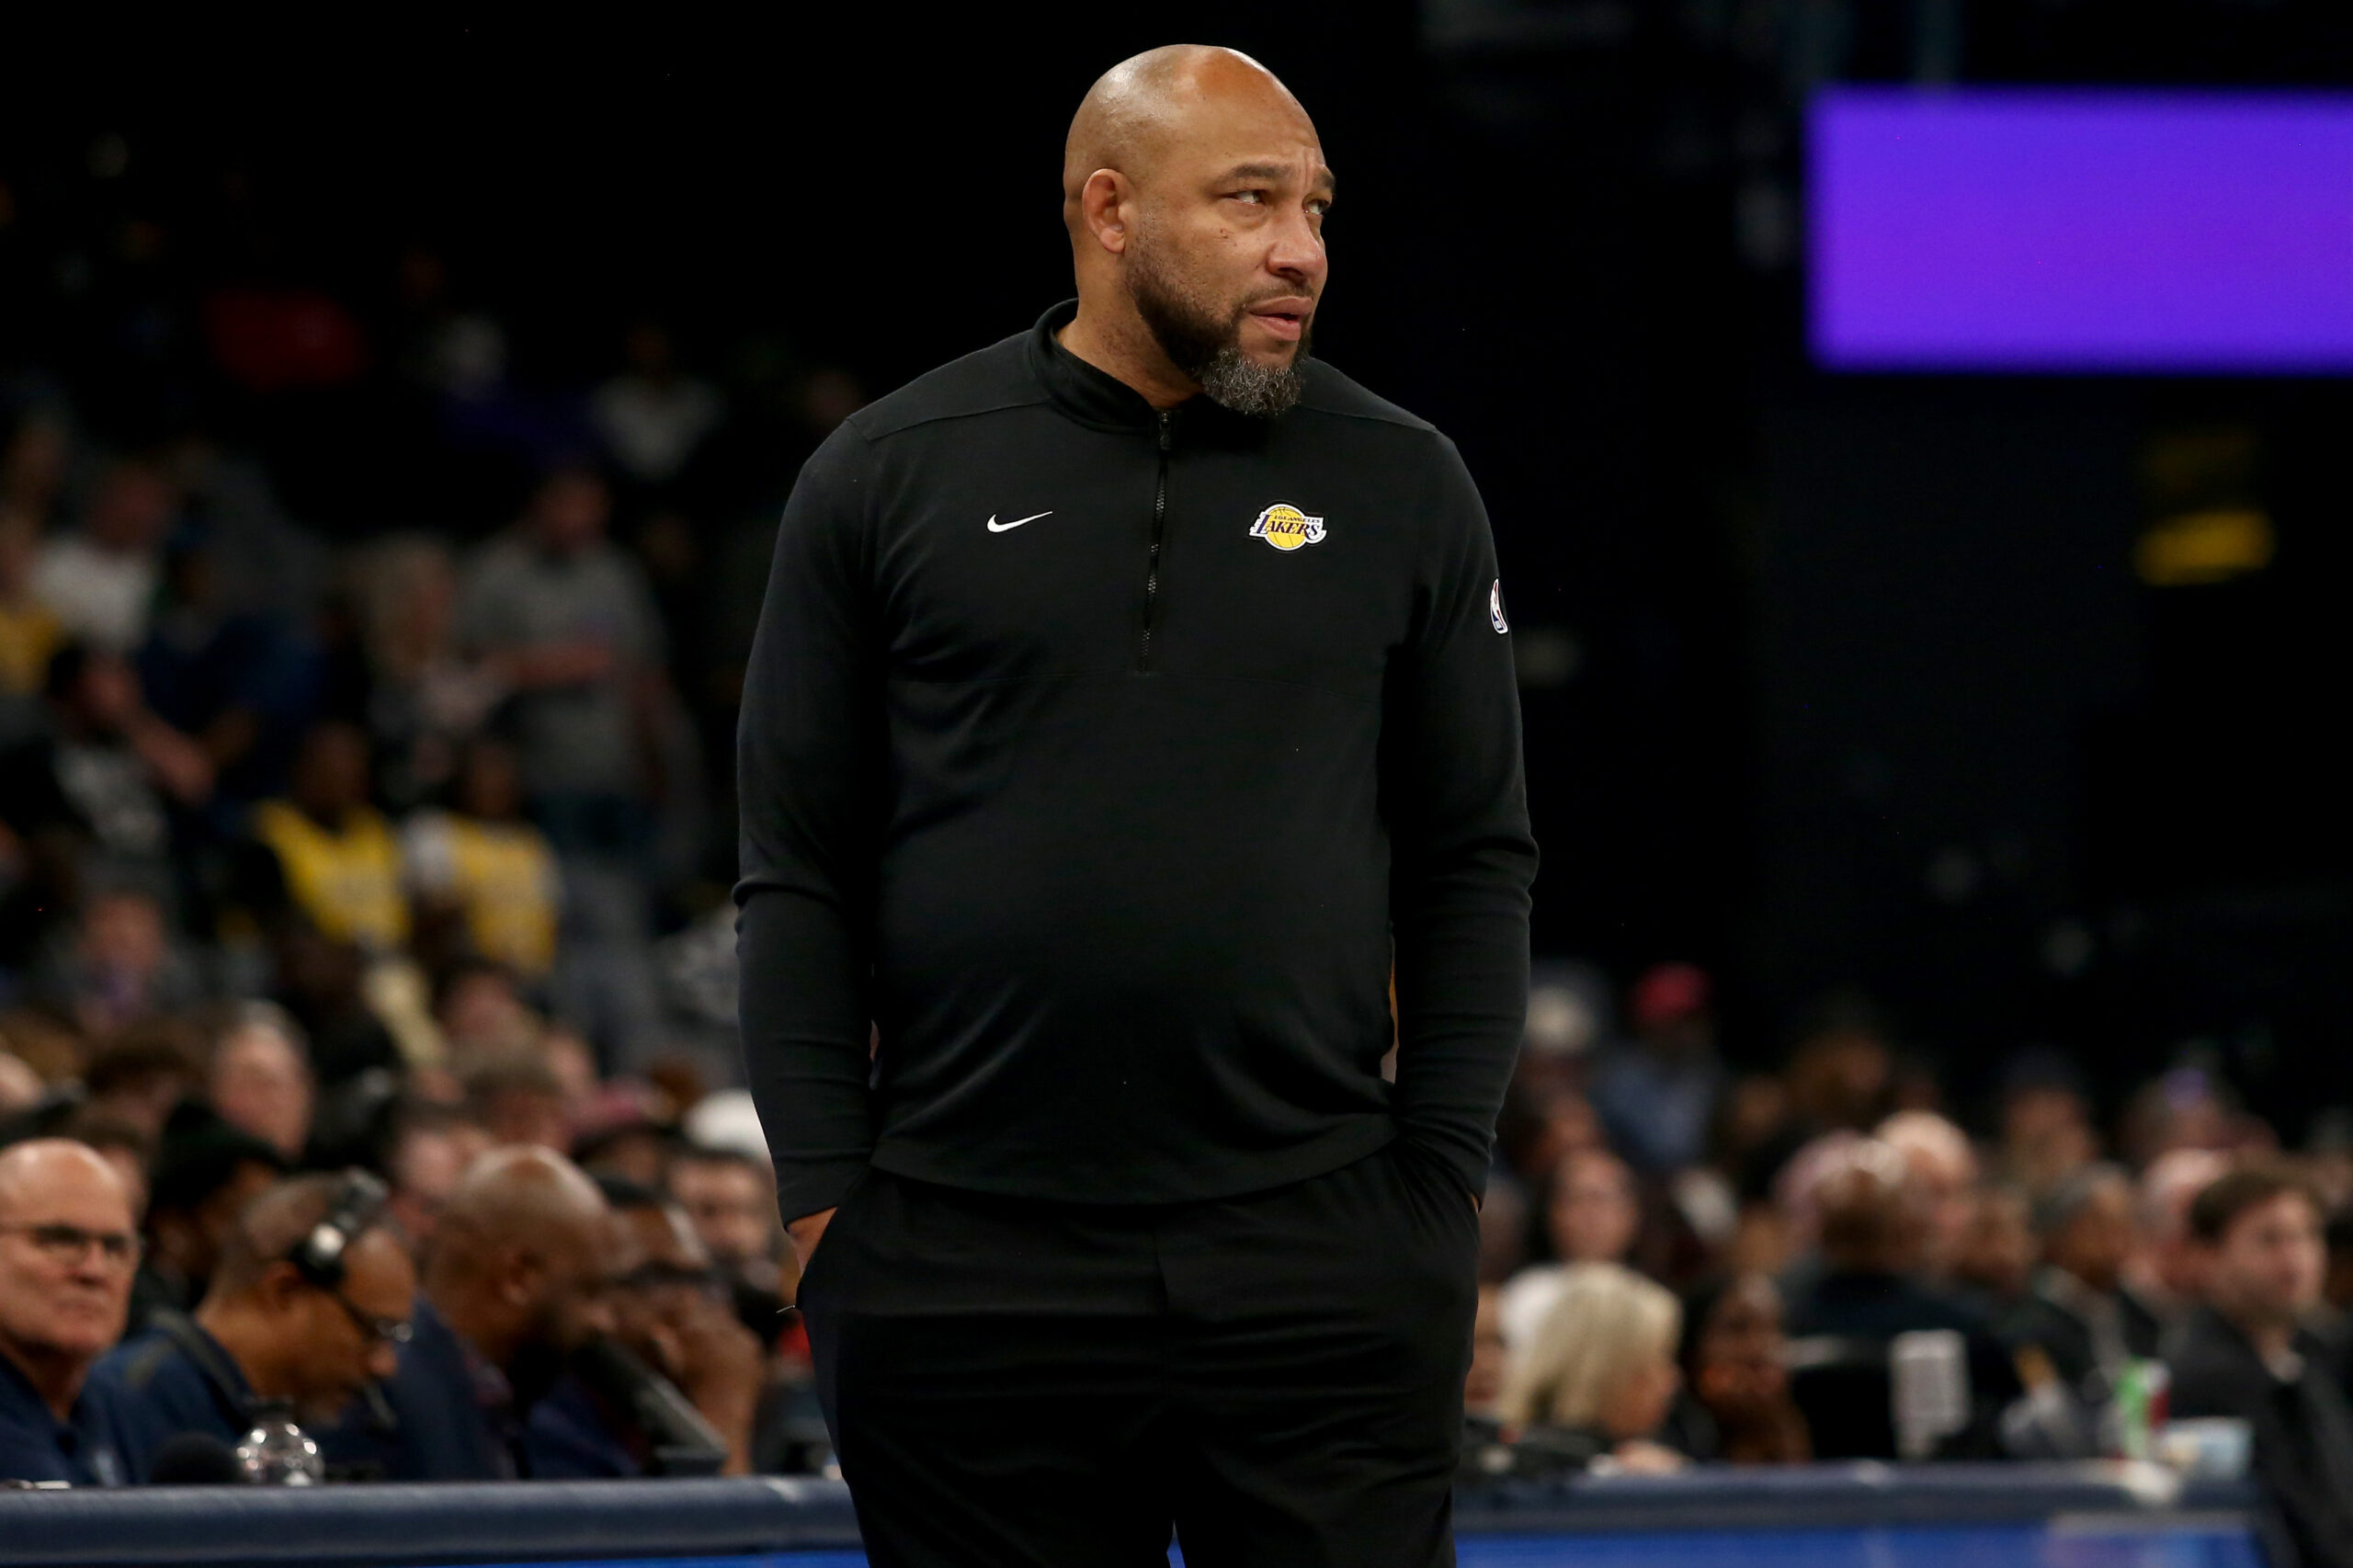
(1159, 525)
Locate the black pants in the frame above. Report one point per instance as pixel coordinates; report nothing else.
(1278, 1376)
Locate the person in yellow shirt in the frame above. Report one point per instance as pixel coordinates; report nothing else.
(481, 866)
(29, 632)
(336, 861)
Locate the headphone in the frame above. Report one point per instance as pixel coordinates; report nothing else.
(359, 1203)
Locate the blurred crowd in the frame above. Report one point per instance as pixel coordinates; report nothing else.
(366, 1053)
(367, 970)
(1683, 1263)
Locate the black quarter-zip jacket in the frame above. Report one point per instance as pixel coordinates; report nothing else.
(1095, 763)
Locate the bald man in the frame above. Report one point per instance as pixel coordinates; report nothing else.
(68, 1245)
(518, 1279)
(1130, 697)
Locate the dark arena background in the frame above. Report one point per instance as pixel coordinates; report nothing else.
(1911, 725)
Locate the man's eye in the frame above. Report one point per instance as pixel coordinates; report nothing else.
(1319, 207)
(1257, 196)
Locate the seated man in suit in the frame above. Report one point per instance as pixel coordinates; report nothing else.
(520, 1277)
(2078, 1314)
(2250, 1352)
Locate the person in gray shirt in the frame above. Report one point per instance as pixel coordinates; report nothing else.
(566, 621)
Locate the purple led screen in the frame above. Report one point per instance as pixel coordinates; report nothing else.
(2081, 231)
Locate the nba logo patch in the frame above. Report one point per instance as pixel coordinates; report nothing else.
(1287, 527)
(1495, 606)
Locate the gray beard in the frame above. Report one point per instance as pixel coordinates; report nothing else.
(1233, 380)
(1210, 350)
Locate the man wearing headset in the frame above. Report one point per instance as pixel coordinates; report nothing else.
(305, 1308)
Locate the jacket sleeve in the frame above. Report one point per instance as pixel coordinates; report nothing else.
(1461, 856)
(809, 779)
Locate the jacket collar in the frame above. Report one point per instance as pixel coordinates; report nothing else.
(1100, 401)
(1092, 397)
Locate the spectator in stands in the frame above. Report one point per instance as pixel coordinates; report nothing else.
(260, 1081)
(483, 867)
(2166, 1271)
(1996, 1265)
(519, 1276)
(1599, 1374)
(431, 1148)
(67, 1249)
(100, 578)
(652, 416)
(730, 1198)
(1658, 1096)
(1591, 1215)
(233, 680)
(92, 800)
(30, 629)
(424, 700)
(2078, 1314)
(566, 622)
(730, 1201)
(205, 1172)
(672, 1312)
(141, 1077)
(481, 1010)
(120, 966)
(2248, 1353)
(270, 1328)
(2181, 1110)
(33, 465)
(1735, 1405)
(1868, 1292)
(320, 984)
(520, 1099)
(324, 855)
(2046, 1126)
(615, 1132)
(1942, 1170)
(1841, 1076)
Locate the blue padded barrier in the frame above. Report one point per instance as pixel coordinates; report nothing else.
(1866, 1516)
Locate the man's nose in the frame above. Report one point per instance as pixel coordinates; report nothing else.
(1298, 253)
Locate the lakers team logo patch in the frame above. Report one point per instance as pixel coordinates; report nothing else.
(1287, 527)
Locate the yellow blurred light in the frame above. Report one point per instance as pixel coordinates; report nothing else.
(2210, 545)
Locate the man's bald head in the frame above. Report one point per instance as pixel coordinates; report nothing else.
(32, 1170)
(67, 1249)
(1145, 103)
(519, 1196)
(1194, 190)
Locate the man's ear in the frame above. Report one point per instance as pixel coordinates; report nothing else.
(520, 1275)
(279, 1284)
(1106, 204)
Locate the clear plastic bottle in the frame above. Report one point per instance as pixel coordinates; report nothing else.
(277, 1452)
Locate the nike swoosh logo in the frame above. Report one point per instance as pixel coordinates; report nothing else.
(997, 527)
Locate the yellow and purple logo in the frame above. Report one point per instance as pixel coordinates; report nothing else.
(1287, 527)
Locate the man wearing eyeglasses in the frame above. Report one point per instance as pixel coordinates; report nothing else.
(264, 1333)
(67, 1249)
